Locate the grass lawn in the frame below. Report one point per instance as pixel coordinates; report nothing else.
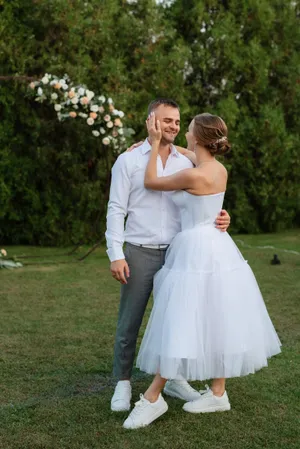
(57, 327)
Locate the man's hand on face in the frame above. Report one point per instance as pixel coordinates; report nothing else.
(120, 270)
(223, 221)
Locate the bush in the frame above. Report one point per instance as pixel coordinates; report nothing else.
(239, 60)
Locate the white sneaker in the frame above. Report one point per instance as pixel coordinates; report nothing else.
(207, 403)
(145, 412)
(120, 401)
(181, 389)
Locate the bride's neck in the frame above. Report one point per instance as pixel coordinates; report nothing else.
(202, 155)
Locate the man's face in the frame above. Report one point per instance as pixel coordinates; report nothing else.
(169, 118)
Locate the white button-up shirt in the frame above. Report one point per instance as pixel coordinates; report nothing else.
(152, 217)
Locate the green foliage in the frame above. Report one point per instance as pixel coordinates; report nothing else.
(237, 59)
(244, 65)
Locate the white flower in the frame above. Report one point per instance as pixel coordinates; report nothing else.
(40, 91)
(101, 98)
(115, 112)
(109, 124)
(81, 91)
(107, 117)
(53, 82)
(90, 121)
(102, 131)
(101, 109)
(223, 82)
(54, 96)
(120, 131)
(74, 100)
(45, 80)
(121, 114)
(109, 101)
(96, 133)
(3, 252)
(89, 94)
(57, 107)
(105, 141)
(94, 108)
(82, 114)
(65, 86)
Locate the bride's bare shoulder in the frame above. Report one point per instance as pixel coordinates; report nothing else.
(211, 174)
(222, 169)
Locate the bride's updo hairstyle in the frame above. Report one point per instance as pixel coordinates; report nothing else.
(210, 131)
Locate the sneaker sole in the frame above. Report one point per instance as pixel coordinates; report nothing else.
(154, 417)
(120, 409)
(223, 408)
(116, 409)
(175, 395)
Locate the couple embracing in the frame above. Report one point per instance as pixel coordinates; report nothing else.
(209, 320)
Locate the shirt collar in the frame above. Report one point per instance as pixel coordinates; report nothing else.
(146, 147)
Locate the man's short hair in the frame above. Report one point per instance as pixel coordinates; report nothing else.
(165, 101)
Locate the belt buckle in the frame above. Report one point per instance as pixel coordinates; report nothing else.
(162, 246)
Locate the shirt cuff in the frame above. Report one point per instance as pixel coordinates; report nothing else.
(115, 254)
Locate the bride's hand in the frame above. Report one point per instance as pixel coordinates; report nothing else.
(153, 127)
(133, 146)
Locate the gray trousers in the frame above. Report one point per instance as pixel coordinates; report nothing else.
(143, 264)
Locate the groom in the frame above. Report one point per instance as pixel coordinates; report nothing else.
(152, 222)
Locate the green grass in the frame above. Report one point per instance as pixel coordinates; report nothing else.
(57, 327)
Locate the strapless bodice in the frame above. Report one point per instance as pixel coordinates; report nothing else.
(197, 210)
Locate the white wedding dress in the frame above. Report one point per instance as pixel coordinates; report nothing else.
(209, 319)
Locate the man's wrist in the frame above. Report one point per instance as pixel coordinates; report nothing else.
(115, 254)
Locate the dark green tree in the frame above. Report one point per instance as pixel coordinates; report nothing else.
(236, 59)
(244, 65)
(55, 176)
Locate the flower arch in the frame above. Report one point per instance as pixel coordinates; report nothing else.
(76, 102)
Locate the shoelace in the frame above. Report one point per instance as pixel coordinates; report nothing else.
(139, 405)
(207, 390)
(142, 402)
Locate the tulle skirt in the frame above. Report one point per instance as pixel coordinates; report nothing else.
(209, 319)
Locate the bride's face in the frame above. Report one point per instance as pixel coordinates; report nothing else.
(190, 138)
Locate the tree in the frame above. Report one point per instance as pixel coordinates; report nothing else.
(244, 65)
(56, 177)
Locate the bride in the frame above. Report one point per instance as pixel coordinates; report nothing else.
(209, 320)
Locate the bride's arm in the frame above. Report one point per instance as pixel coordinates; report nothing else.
(187, 153)
(185, 179)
